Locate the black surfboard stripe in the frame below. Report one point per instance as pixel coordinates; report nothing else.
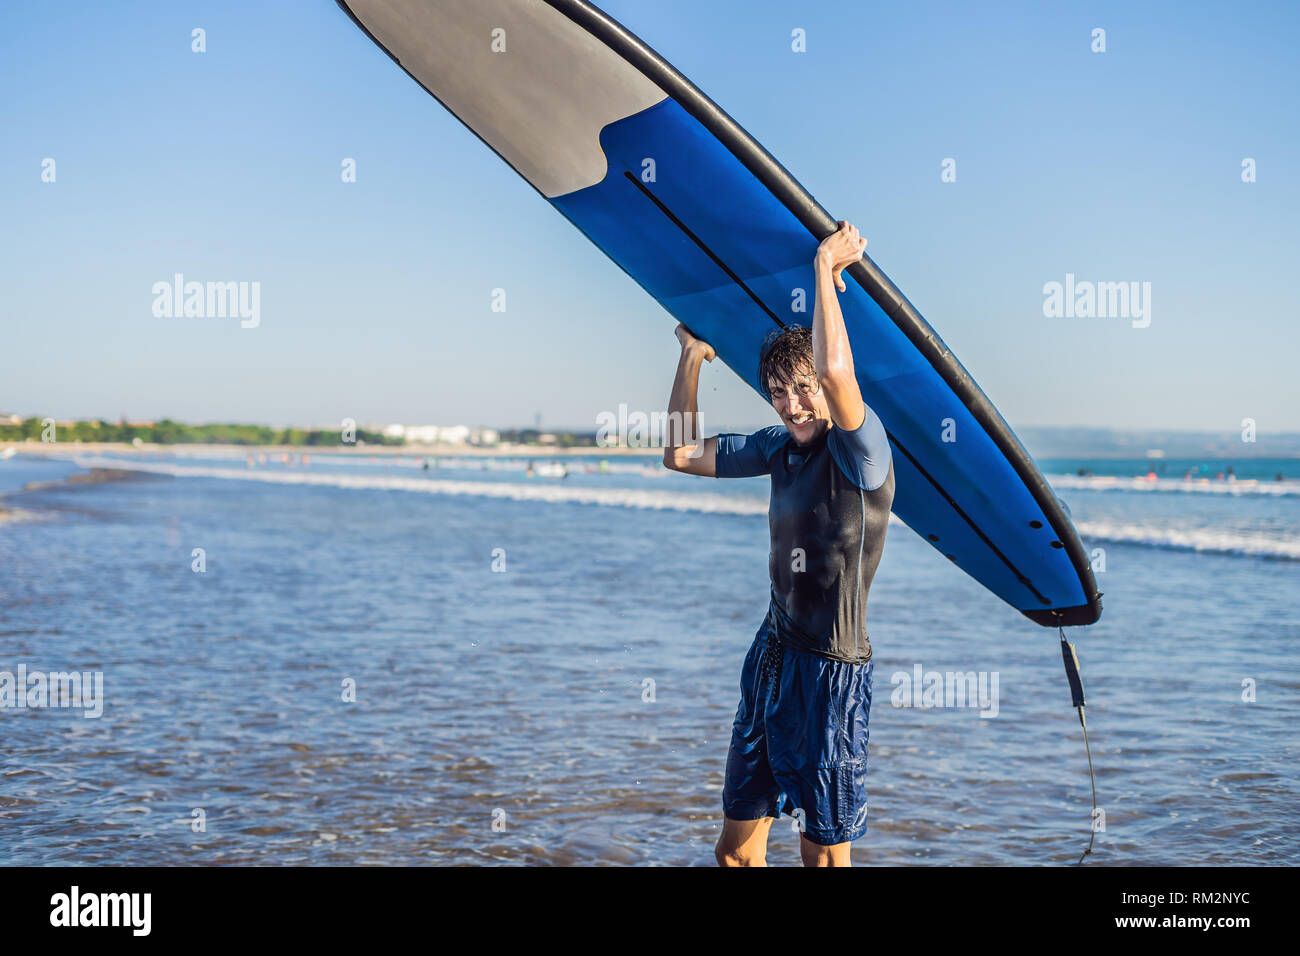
(869, 275)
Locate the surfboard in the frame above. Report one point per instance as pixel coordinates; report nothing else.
(707, 222)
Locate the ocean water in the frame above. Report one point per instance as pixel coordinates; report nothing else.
(546, 669)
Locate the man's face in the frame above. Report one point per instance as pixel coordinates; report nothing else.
(802, 406)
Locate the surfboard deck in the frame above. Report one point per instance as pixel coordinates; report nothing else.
(708, 223)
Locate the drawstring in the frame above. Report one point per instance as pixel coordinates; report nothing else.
(770, 664)
(1076, 696)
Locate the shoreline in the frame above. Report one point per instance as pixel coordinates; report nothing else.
(71, 449)
(68, 450)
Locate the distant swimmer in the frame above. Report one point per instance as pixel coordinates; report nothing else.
(799, 739)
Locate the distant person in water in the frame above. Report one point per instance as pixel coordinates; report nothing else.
(799, 739)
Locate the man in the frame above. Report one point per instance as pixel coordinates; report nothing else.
(799, 740)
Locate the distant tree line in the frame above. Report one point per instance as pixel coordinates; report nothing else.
(168, 432)
(531, 436)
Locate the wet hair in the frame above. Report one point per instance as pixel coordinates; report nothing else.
(787, 353)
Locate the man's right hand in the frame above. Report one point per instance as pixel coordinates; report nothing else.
(690, 342)
(683, 450)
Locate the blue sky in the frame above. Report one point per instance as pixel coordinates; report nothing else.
(1122, 166)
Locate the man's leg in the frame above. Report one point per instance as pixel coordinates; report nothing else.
(750, 797)
(743, 842)
(817, 732)
(814, 854)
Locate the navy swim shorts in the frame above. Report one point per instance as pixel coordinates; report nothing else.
(799, 741)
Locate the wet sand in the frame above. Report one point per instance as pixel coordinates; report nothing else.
(94, 476)
(8, 515)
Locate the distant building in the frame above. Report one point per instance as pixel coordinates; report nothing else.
(423, 434)
(442, 434)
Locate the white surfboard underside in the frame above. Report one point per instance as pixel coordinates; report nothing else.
(541, 102)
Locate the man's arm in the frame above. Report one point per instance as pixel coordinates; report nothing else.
(682, 445)
(831, 352)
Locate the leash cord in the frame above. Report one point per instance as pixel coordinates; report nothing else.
(1076, 695)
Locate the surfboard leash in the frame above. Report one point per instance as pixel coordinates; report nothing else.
(1076, 694)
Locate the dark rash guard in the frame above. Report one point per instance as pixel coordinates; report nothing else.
(828, 514)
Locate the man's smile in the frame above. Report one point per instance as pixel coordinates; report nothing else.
(802, 426)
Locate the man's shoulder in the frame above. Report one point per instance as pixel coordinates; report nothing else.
(771, 438)
(863, 454)
(774, 433)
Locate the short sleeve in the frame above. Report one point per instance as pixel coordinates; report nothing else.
(863, 454)
(744, 456)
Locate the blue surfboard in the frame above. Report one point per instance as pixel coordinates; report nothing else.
(705, 220)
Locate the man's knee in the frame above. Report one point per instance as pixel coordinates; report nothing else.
(814, 854)
(736, 856)
(742, 842)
